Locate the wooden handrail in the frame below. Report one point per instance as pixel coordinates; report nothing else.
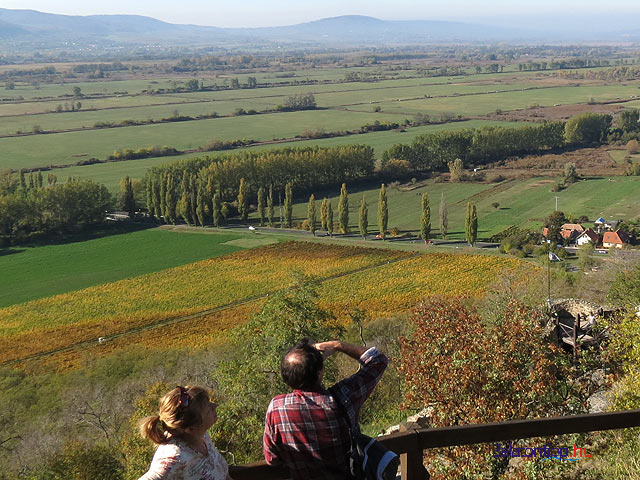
(412, 443)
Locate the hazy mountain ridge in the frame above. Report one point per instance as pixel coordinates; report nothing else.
(353, 30)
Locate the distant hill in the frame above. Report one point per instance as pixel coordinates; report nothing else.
(34, 26)
(356, 29)
(30, 26)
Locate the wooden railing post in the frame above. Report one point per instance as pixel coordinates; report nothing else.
(411, 465)
(411, 460)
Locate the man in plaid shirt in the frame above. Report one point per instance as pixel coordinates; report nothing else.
(306, 429)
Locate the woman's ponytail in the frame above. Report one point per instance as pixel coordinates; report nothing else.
(152, 428)
(173, 417)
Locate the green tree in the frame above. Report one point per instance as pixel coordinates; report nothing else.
(261, 205)
(127, 201)
(312, 218)
(625, 290)
(585, 258)
(444, 217)
(192, 85)
(225, 211)
(425, 219)
(171, 199)
(149, 186)
(363, 217)
(324, 214)
(330, 219)
(288, 206)
(79, 462)
(471, 224)
(343, 209)
(587, 128)
(77, 92)
(243, 200)
(570, 173)
(201, 204)
(217, 209)
(305, 101)
(270, 211)
(628, 120)
(250, 377)
(554, 222)
(383, 212)
(183, 207)
(456, 170)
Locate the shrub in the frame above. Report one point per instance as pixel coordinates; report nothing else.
(633, 146)
(496, 368)
(633, 169)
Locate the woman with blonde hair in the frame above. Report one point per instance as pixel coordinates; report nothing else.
(185, 450)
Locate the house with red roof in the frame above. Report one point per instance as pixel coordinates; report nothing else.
(567, 231)
(573, 226)
(617, 239)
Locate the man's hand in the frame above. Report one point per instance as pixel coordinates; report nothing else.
(333, 346)
(327, 348)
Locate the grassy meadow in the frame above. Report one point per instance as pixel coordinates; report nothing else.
(521, 202)
(30, 273)
(342, 106)
(112, 172)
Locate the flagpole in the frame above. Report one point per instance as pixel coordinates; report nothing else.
(549, 282)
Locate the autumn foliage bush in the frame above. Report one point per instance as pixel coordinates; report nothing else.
(474, 370)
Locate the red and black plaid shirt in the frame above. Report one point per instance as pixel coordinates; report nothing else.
(306, 430)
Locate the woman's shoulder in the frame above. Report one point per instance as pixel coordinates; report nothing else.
(168, 462)
(172, 451)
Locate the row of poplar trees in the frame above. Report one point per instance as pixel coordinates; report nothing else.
(204, 190)
(327, 222)
(207, 190)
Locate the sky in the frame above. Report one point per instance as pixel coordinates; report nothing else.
(262, 13)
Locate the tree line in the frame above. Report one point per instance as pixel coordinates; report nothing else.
(195, 190)
(433, 152)
(31, 208)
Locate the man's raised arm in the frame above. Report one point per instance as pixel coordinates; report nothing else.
(332, 346)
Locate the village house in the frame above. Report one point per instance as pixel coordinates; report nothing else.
(588, 236)
(617, 239)
(602, 225)
(568, 231)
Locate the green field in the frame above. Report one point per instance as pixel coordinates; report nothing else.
(620, 155)
(521, 202)
(112, 172)
(23, 116)
(518, 99)
(343, 106)
(64, 148)
(29, 273)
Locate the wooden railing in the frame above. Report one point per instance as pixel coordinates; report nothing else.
(411, 444)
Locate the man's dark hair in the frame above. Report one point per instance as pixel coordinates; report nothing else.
(301, 365)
